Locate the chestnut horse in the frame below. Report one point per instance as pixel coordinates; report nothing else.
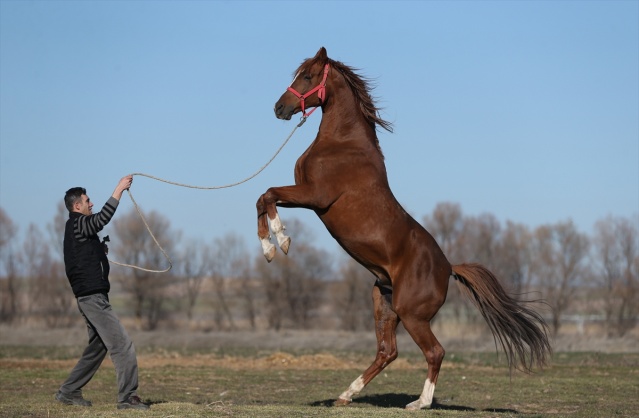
(342, 177)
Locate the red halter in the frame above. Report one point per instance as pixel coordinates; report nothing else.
(320, 89)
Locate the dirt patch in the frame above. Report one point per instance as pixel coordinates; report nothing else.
(299, 341)
(274, 361)
(29, 364)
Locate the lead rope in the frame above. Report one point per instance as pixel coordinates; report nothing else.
(137, 208)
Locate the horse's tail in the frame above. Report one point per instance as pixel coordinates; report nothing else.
(521, 332)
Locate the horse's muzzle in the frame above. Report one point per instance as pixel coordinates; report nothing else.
(283, 112)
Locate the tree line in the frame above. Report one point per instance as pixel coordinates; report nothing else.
(220, 285)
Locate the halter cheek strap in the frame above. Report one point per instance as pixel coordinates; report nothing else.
(320, 89)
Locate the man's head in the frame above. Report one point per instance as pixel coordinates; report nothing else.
(76, 200)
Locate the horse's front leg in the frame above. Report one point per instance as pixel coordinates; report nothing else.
(290, 196)
(262, 230)
(267, 213)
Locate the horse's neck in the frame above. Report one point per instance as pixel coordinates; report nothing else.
(343, 122)
(339, 136)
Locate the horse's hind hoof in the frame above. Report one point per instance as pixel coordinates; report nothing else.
(416, 406)
(341, 402)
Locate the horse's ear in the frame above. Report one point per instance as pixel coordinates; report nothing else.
(321, 54)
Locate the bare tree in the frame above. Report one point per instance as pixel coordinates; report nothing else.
(512, 257)
(8, 232)
(135, 246)
(9, 289)
(478, 239)
(59, 304)
(9, 294)
(50, 297)
(306, 291)
(477, 242)
(228, 262)
(352, 296)
(34, 251)
(617, 251)
(193, 266)
(248, 292)
(247, 286)
(270, 276)
(445, 225)
(56, 230)
(295, 285)
(559, 254)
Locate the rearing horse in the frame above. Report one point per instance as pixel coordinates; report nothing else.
(342, 177)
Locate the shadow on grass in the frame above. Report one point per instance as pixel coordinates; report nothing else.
(400, 400)
(155, 401)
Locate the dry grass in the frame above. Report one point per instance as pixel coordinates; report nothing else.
(299, 373)
(262, 383)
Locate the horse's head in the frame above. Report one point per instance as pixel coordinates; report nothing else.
(308, 88)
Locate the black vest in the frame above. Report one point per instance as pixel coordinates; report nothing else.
(85, 261)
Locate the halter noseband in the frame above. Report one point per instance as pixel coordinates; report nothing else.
(320, 89)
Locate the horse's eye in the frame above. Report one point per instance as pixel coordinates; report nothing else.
(307, 77)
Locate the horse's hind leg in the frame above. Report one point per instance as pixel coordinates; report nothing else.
(416, 313)
(434, 353)
(385, 329)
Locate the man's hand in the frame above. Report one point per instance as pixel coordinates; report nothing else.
(124, 184)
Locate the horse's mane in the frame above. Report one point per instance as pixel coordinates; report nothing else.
(361, 87)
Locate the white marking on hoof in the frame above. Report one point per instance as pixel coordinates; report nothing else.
(278, 229)
(284, 242)
(268, 248)
(341, 402)
(426, 398)
(355, 388)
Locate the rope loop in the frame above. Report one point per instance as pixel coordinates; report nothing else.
(137, 208)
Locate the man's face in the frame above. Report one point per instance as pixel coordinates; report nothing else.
(84, 206)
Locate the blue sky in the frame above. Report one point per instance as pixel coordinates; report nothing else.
(528, 110)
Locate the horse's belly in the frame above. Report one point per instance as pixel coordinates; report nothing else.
(363, 237)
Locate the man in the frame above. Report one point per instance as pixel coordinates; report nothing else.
(87, 269)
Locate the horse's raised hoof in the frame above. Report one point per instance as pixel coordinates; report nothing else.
(284, 242)
(341, 402)
(269, 251)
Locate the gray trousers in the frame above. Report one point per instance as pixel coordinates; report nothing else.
(105, 334)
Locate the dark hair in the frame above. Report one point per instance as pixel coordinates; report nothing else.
(72, 196)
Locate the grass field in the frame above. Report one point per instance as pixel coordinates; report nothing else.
(303, 383)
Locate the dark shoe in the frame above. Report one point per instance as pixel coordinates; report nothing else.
(77, 400)
(134, 402)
